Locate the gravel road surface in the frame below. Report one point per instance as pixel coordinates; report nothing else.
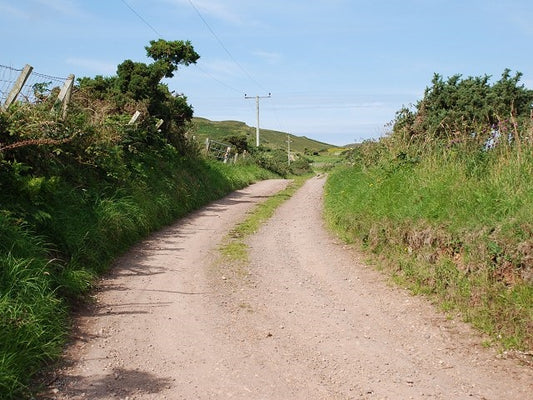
(304, 318)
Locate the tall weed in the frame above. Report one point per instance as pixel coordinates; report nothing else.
(32, 321)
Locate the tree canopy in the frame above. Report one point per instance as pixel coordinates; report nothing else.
(141, 83)
(171, 54)
(466, 108)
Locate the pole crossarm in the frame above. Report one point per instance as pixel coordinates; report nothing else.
(257, 113)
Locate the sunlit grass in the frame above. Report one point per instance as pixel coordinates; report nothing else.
(56, 238)
(454, 226)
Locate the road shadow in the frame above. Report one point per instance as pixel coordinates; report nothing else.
(64, 382)
(137, 261)
(116, 383)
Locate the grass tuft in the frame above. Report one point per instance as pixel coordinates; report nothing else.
(234, 249)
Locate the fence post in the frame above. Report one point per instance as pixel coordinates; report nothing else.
(17, 87)
(64, 94)
(226, 155)
(207, 145)
(134, 117)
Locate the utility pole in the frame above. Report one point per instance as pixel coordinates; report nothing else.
(257, 113)
(289, 149)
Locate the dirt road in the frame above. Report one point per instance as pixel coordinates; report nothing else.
(307, 320)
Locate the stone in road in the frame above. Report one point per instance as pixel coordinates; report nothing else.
(303, 318)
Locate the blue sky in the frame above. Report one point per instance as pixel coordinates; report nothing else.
(338, 70)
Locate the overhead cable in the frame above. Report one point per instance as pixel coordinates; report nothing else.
(216, 79)
(224, 47)
(141, 18)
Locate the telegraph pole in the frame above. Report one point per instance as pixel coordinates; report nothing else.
(257, 113)
(288, 149)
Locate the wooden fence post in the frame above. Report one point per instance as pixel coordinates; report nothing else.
(134, 117)
(64, 94)
(17, 87)
(226, 155)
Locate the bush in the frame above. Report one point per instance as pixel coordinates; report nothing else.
(277, 162)
(467, 111)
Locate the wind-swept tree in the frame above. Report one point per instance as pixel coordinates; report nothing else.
(138, 82)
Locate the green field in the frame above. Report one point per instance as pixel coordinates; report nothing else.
(218, 130)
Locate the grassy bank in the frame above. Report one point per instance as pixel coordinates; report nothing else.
(56, 237)
(219, 130)
(454, 224)
(79, 188)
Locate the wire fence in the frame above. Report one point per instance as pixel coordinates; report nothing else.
(8, 76)
(221, 151)
(39, 86)
(25, 86)
(35, 89)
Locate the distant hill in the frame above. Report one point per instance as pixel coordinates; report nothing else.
(217, 130)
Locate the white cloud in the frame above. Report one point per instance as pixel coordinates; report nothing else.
(221, 68)
(334, 105)
(514, 13)
(42, 9)
(94, 66)
(13, 11)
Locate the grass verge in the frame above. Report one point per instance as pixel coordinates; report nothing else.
(57, 237)
(456, 227)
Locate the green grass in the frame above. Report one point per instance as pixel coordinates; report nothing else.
(56, 238)
(32, 320)
(233, 248)
(457, 227)
(217, 130)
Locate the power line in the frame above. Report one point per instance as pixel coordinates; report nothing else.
(281, 126)
(216, 79)
(159, 34)
(224, 47)
(141, 18)
(218, 40)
